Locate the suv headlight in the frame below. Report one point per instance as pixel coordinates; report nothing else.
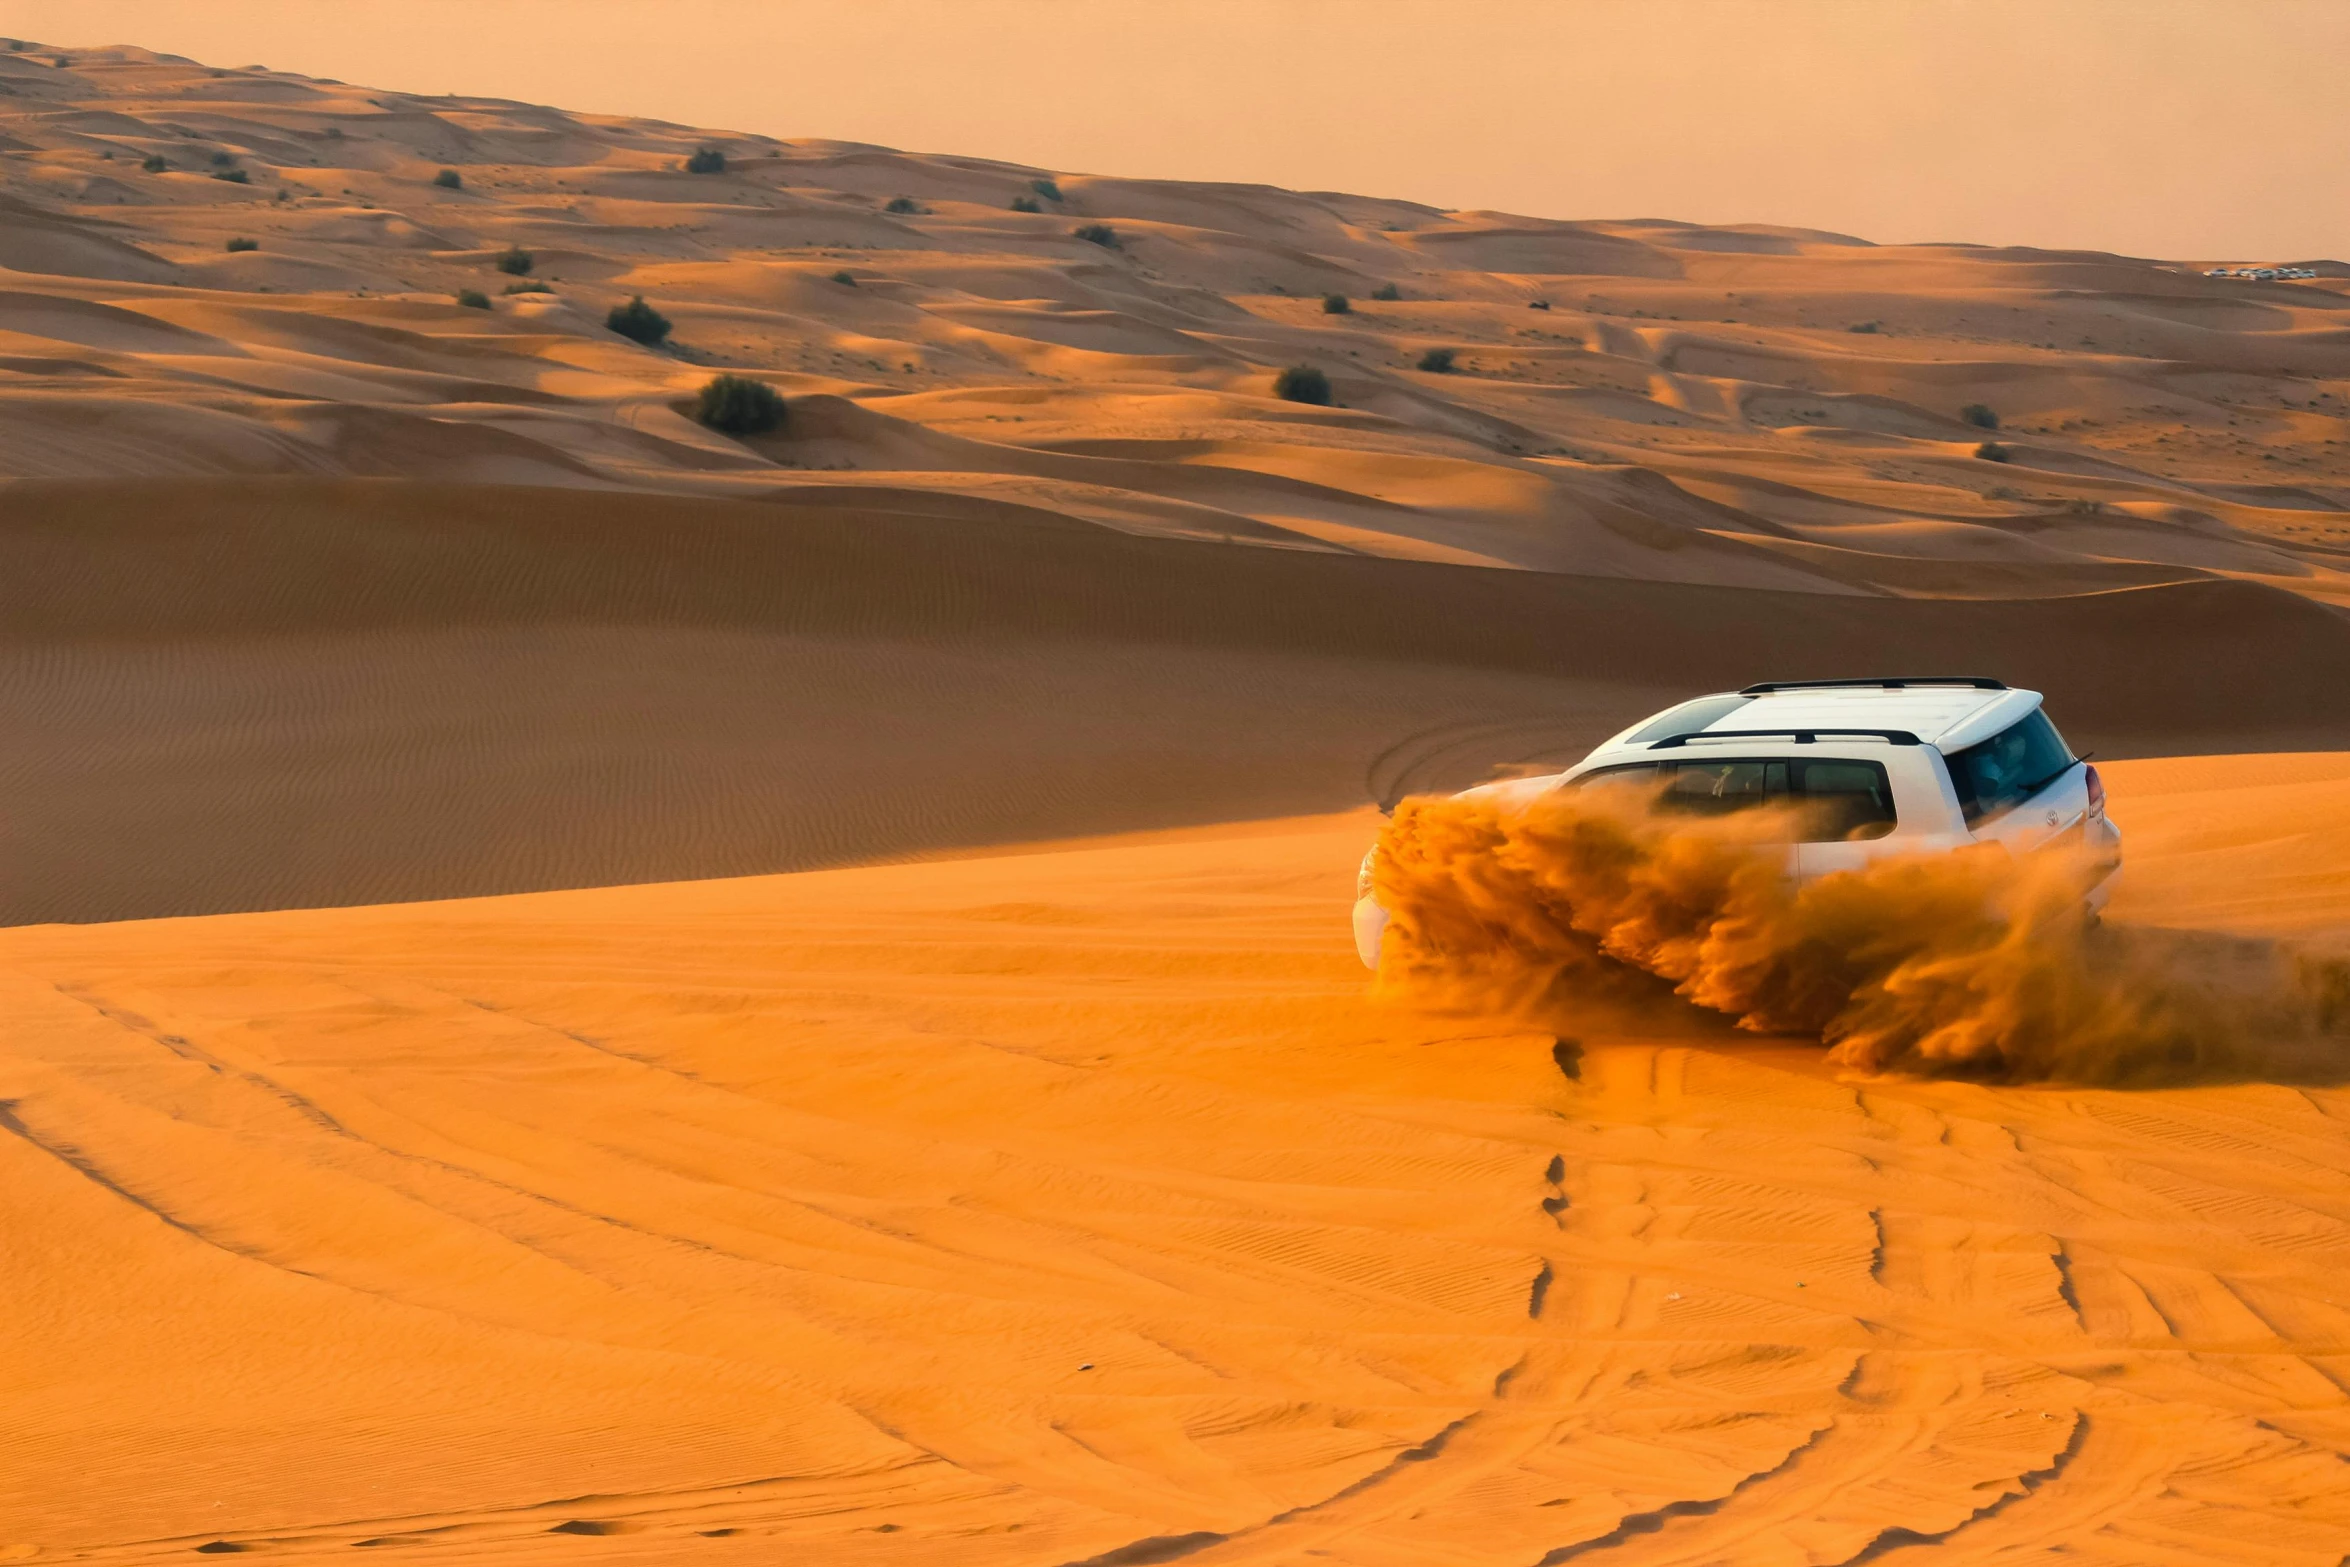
(1363, 876)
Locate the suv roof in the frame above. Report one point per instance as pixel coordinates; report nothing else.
(1948, 714)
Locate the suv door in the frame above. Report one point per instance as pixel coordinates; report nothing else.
(1847, 805)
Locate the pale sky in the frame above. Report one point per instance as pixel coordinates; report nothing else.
(2201, 129)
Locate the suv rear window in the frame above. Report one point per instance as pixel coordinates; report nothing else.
(2010, 767)
(1846, 799)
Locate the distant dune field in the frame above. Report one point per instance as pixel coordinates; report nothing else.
(1032, 1180)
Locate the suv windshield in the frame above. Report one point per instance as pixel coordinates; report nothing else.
(2010, 767)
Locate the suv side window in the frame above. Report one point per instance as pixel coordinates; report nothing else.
(1712, 788)
(2010, 767)
(1845, 800)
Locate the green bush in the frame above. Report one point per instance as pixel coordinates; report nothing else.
(845, 276)
(1980, 415)
(473, 299)
(449, 179)
(1865, 326)
(1096, 234)
(532, 287)
(1437, 361)
(640, 322)
(242, 243)
(738, 405)
(1537, 304)
(706, 160)
(1045, 188)
(902, 204)
(233, 176)
(156, 163)
(1992, 451)
(1026, 204)
(221, 160)
(1302, 384)
(1387, 291)
(516, 261)
(1336, 305)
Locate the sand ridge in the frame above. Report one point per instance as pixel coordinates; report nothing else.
(1077, 1207)
(260, 693)
(1647, 399)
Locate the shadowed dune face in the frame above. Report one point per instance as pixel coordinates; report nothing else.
(254, 694)
(1078, 1207)
(1764, 407)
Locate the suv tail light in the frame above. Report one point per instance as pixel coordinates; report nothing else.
(2096, 790)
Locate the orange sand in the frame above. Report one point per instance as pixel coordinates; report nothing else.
(1026, 1208)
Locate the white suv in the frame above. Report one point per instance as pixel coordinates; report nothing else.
(1892, 766)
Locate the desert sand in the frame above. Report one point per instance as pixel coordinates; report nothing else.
(1077, 1206)
(578, 987)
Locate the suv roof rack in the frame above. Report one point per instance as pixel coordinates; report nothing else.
(1885, 682)
(1802, 736)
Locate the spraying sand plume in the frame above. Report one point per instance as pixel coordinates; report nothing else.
(1977, 963)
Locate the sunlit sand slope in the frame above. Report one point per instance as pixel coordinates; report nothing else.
(1738, 405)
(262, 694)
(1076, 1208)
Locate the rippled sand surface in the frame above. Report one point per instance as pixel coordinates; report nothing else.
(1075, 1206)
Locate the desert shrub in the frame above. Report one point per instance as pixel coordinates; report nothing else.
(1865, 326)
(473, 299)
(1387, 291)
(516, 261)
(1045, 188)
(449, 179)
(1980, 415)
(1302, 384)
(640, 322)
(533, 286)
(334, 133)
(705, 160)
(1992, 451)
(1097, 234)
(1026, 204)
(156, 163)
(233, 176)
(846, 277)
(242, 243)
(1437, 361)
(738, 405)
(902, 204)
(1336, 305)
(1537, 304)
(221, 160)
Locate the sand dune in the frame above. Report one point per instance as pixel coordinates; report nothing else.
(1076, 1207)
(1827, 374)
(245, 694)
(1057, 1196)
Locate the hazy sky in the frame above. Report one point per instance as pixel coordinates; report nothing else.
(2191, 128)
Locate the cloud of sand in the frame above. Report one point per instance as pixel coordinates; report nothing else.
(1976, 963)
